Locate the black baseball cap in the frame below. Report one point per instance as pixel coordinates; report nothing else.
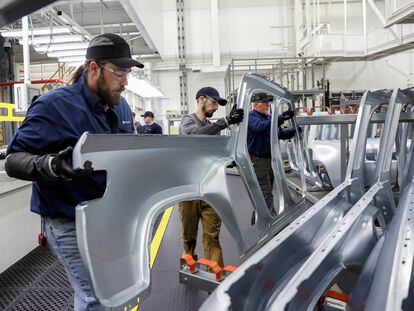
(213, 93)
(262, 97)
(148, 114)
(113, 48)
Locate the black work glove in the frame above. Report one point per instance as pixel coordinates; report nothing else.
(287, 133)
(288, 114)
(235, 116)
(62, 165)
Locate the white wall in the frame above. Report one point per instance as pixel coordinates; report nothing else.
(390, 72)
(246, 29)
(148, 19)
(19, 227)
(263, 28)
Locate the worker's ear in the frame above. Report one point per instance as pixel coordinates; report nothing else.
(202, 100)
(94, 68)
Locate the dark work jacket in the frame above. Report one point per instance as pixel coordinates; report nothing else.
(154, 128)
(258, 134)
(55, 121)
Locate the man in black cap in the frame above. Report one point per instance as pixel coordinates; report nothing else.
(41, 149)
(191, 212)
(150, 126)
(258, 143)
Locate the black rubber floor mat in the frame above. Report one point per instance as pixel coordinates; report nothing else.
(36, 282)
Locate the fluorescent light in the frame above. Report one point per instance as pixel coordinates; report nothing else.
(142, 88)
(61, 47)
(55, 39)
(67, 53)
(71, 59)
(36, 31)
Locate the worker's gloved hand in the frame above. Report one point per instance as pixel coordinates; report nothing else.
(62, 165)
(288, 114)
(286, 133)
(235, 116)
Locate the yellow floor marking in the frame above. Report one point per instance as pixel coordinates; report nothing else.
(156, 241)
(159, 234)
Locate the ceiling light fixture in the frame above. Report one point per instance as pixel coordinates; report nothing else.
(37, 31)
(67, 53)
(55, 39)
(61, 47)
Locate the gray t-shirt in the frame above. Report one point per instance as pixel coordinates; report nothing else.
(192, 125)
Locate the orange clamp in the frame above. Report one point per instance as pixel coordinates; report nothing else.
(212, 265)
(230, 269)
(188, 259)
(337, 296)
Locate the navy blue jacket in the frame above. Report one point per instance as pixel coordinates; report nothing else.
(258, 134)
(154, 128)
(55, 121)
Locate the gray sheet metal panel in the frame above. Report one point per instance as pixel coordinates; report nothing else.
(387, 278)
(347, 119)
(353, 239)
(289, 272)
(113, 231)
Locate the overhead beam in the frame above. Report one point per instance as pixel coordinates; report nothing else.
(348, 118)
(10, 11)
(381, 18)
(69, 20)
(401, 15)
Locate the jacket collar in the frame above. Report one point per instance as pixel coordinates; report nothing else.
(264, 116)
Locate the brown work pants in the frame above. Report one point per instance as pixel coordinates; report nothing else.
(190, 214)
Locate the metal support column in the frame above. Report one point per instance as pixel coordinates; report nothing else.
(344, 150)
(181, 57)
(26, 53)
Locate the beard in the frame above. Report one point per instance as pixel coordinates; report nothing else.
(208, 114)
(107, 96)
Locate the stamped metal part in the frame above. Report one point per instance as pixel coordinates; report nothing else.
(114, 231)
(294, 269)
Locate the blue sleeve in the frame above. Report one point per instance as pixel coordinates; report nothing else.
(39, 133)
(257, 125)
(159, 130)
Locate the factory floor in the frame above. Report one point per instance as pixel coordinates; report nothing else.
(38, 281)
